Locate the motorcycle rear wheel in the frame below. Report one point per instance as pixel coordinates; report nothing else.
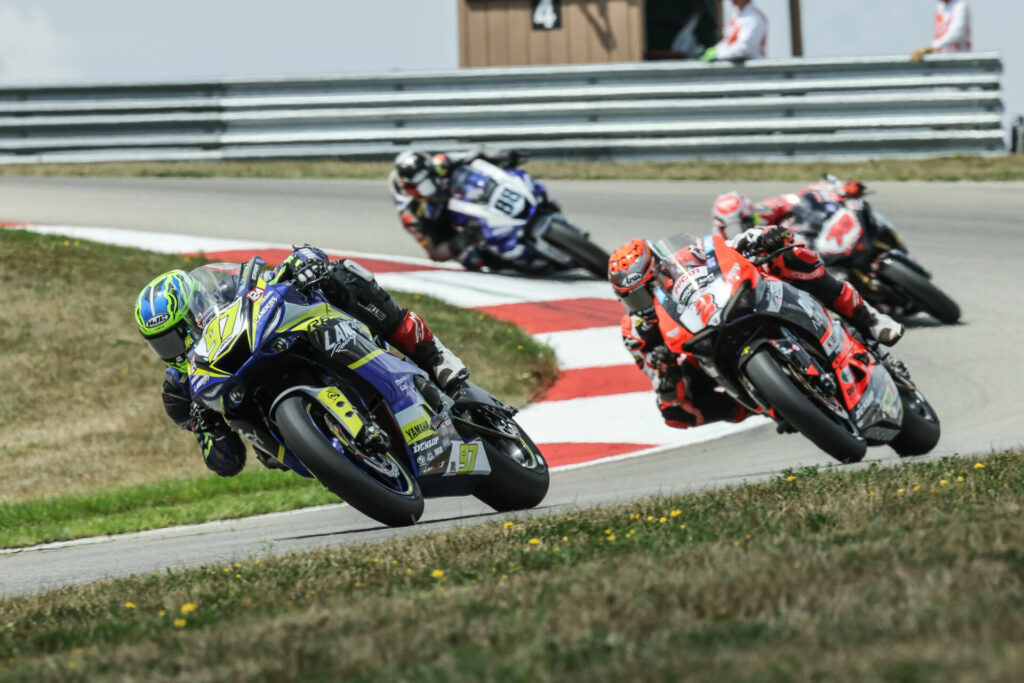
(800, 411)
(587, 254)
(921, 427)
(297, 418)
(920, 291)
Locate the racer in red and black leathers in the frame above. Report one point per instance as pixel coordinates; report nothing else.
(687, 397)
(419, 186)
(733, 211)
(348, 286)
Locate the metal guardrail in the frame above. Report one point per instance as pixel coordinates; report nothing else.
(867, 107)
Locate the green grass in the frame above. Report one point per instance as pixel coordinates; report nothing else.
(156, 505)
(952, 168)
(911, 573)
(80, 391)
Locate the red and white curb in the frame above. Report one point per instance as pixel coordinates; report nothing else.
(601, 408)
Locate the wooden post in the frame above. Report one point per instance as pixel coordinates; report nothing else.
(796, 35)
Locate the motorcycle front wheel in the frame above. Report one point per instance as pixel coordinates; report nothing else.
(800, 411)
(378, 485)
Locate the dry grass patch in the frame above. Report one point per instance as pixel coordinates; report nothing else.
(954, 168)
(822, 576)
(79, 391)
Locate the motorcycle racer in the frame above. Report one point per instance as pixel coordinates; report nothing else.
(419, 186)
(687, 397)
(163, 315)
(734, 212)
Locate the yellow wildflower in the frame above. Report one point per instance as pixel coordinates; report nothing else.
(610, 538)
(162, 613)
(959, 478)
(662, 520)
(509, 525)
(901, 490)
(534, 541)
(437, 573)
(180, 623)
(917, 487)
(682, 526)
(188, 608)
(129, 605)
(675, 513)
(943, 482)
(607, 531)
(979, 465)
(791, 478)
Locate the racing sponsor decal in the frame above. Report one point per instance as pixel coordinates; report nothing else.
(774, 296)
(342, 335)
(688, 284)
(417, 429)
(425, 444)
(374, 311)
(631, 279)
(157, 320)
(833, 339)
(267, 304)
(254, 294)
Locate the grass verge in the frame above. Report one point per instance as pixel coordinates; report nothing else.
(952, 168)
(156, 505)
(909, 573)
(80, 392)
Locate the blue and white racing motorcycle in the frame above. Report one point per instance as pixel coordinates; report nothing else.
(520, 225)
(308, 385)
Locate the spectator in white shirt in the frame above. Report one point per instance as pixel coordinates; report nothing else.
(952, 30)
(745, 36)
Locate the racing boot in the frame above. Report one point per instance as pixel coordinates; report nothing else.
(878, 326)
(416, 340)
(444, 367)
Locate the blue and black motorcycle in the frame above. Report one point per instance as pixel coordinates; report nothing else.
(309, 387)
(521, 226)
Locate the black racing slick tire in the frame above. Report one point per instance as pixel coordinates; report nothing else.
(920, 290)
(300, 420)
(587, 254)
(800, 411)
(921, 428)
(519, 477)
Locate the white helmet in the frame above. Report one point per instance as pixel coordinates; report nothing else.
(732, 212)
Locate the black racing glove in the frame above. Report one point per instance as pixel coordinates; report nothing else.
(310, 274)
(776, 237)
(206, 421)
(667, 372)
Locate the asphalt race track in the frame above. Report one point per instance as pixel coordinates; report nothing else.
(969, 235)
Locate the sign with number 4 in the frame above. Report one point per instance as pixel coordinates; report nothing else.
(547, 15)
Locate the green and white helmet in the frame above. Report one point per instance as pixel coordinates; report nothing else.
(164, 316)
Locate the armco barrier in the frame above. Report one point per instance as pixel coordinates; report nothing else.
(865, 107)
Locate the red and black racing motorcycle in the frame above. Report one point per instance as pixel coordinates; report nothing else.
(774, 348)
(862, 246)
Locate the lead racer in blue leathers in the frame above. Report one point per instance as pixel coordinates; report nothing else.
(162, 313)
